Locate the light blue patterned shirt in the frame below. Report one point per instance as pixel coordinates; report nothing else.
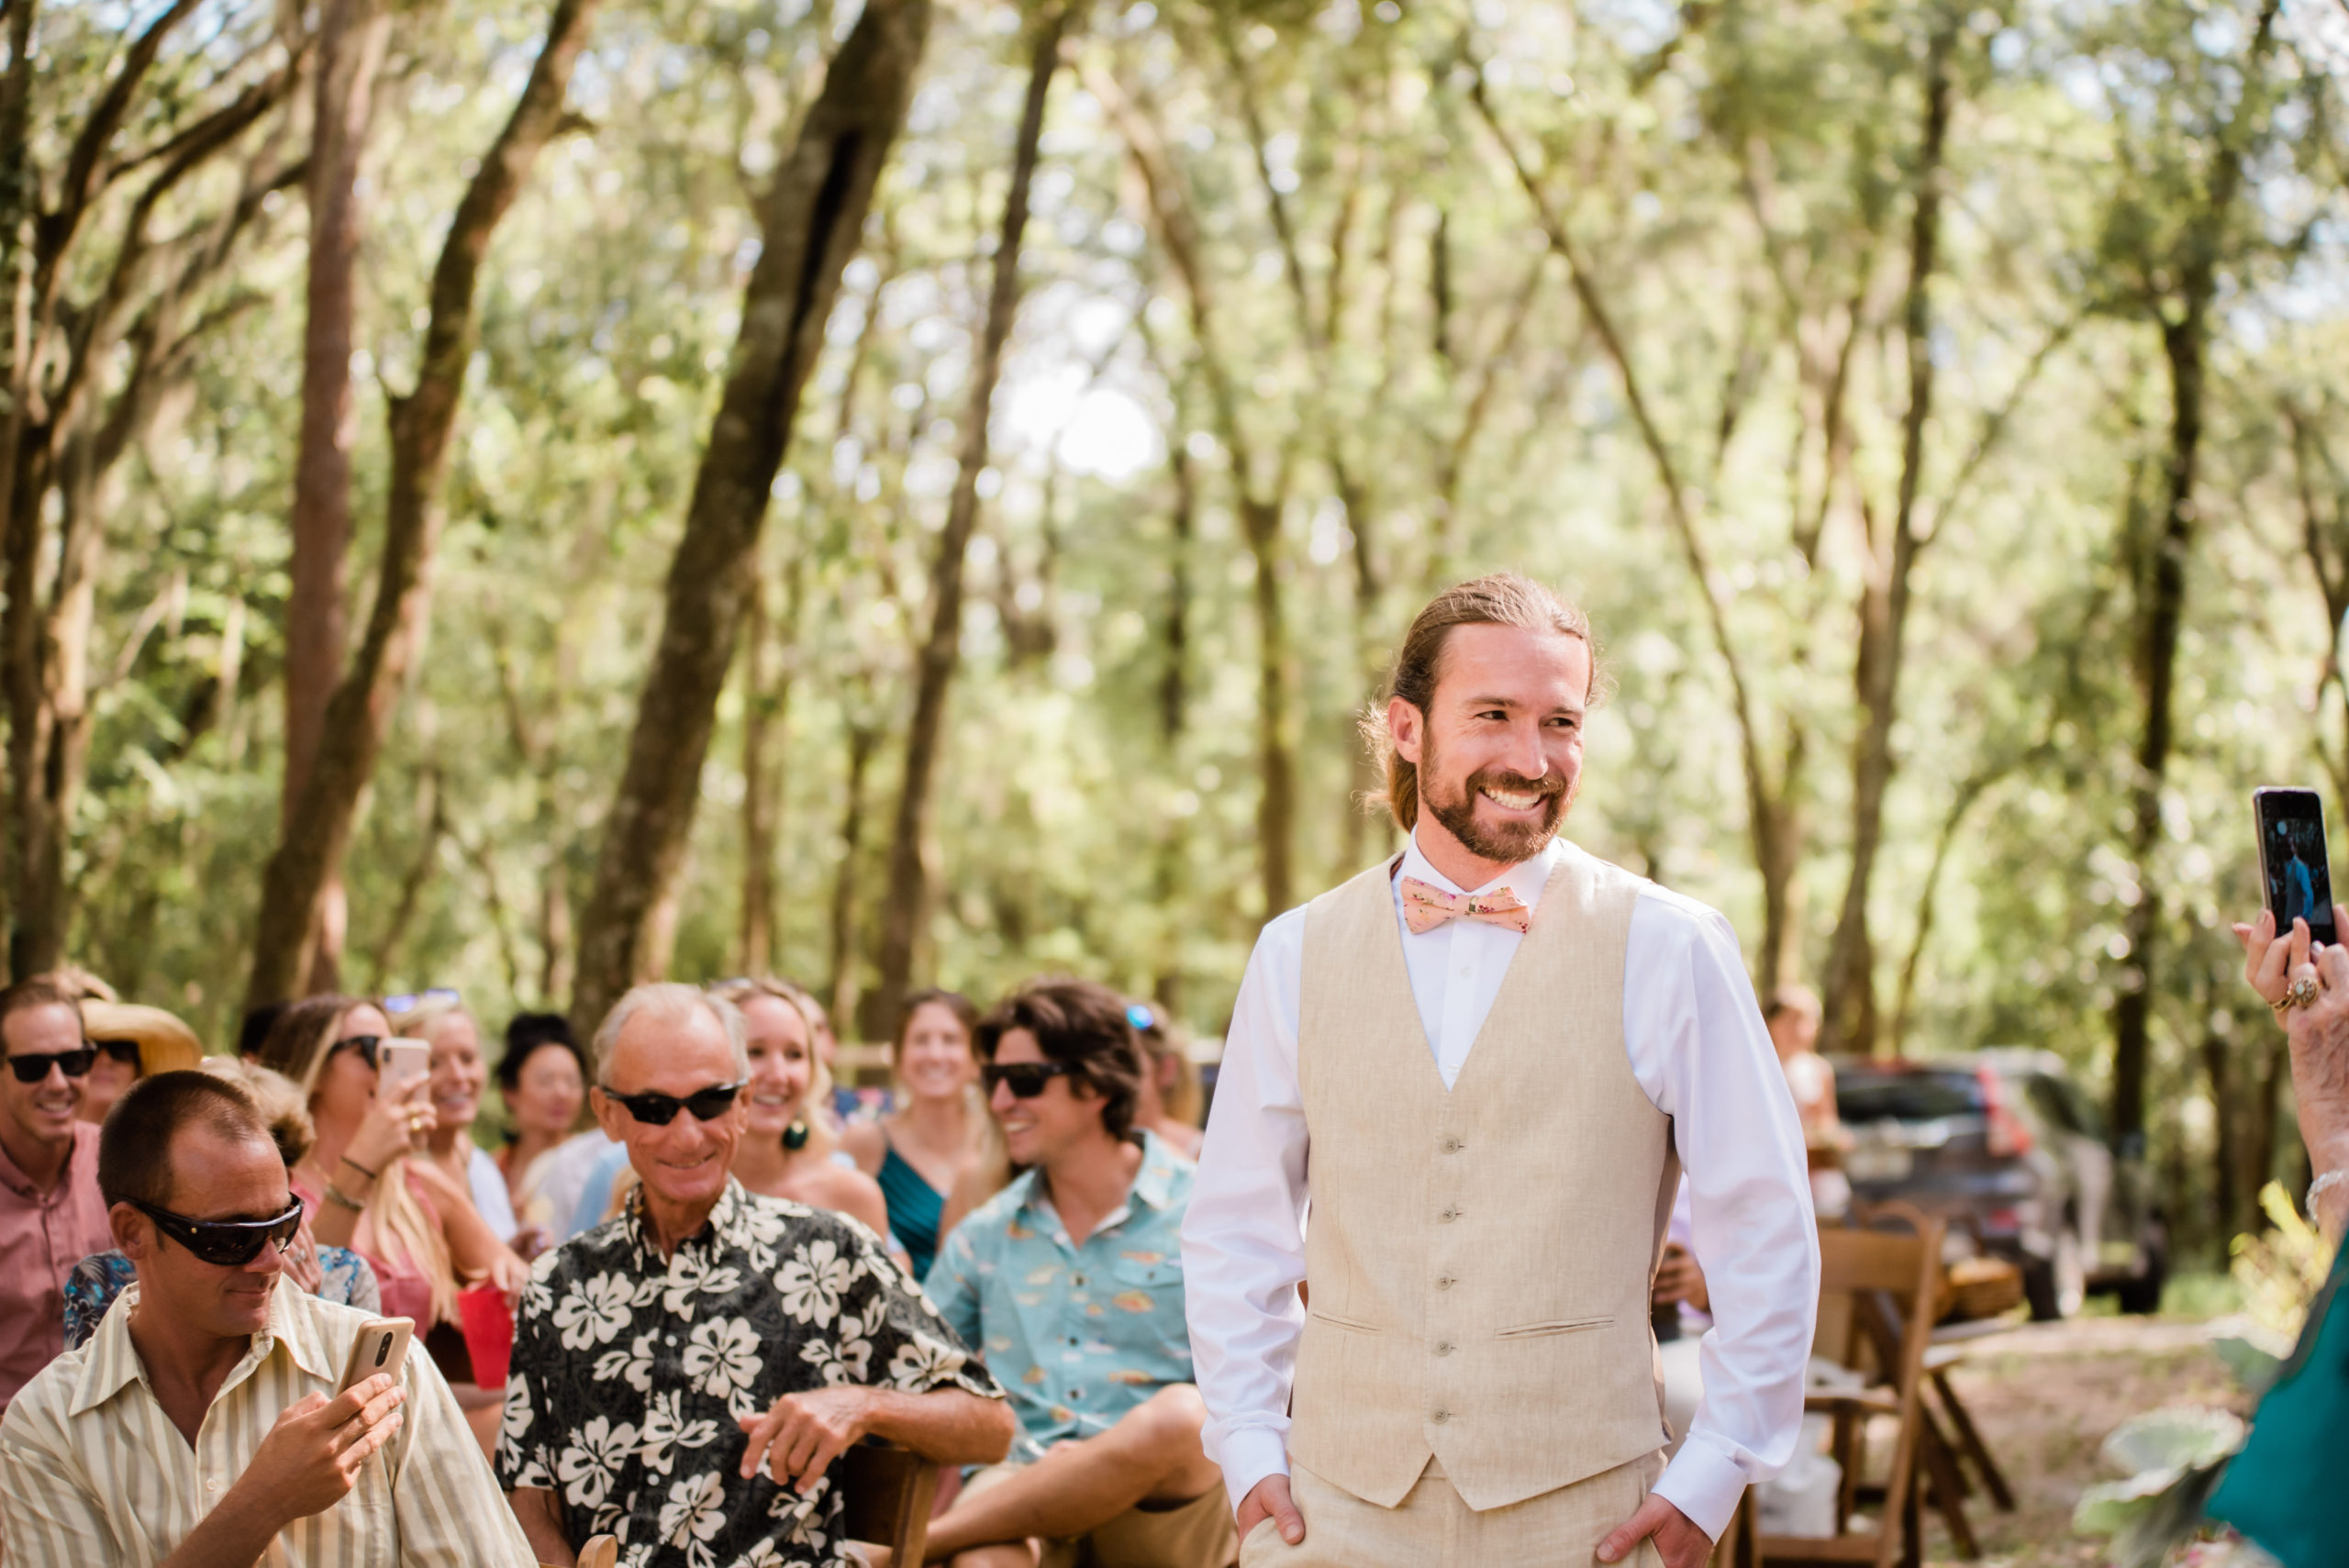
(1079, 1334)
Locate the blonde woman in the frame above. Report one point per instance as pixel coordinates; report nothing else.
(786, 1151)
(919, 1151)
(440, 1020)
(361, 1181)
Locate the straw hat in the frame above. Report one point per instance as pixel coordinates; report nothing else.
(165, 1044)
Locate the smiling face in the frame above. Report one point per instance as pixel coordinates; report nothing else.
(213, 1177)
(546, 1092)
(686, 1162)
(457, 1074)
(937, 1060)
(1499, 749)
(41, 1114)
(105, 1085)
(782, 1064)
(1043, 1130)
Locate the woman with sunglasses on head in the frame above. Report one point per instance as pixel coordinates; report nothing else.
(919, 1151)
(786, 1151)
(132, 1042)
(417, 1227)
(1170, 1094)
(440, 1020)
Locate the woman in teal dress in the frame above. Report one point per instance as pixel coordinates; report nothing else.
(921, 1149)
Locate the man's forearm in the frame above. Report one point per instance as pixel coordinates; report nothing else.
(952, 1425)
(542, 1525)
(233, 1535)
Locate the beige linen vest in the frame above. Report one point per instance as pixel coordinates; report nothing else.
(1480, 1259)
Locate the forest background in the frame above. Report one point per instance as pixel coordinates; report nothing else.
(522, 496)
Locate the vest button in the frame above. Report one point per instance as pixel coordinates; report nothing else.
(1440, 1417)
(1452, 1146)
(1443, 1281)
(1449, 1215)
(1444, 1348)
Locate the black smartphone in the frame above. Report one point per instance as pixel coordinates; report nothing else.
(2292, 862)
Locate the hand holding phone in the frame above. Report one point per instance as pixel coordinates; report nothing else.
(2294, 870)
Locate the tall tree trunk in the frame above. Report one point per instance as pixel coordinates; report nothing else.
(310, 855)
(766, 710)
(864, 738)
(811, 221)
(1175, 712)
(352, 36)
(1850, 1002)
(906, 907)
(1259, 521)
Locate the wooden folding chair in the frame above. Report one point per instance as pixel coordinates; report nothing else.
(1877, 1293)
(887, 1491)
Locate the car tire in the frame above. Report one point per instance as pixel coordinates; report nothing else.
(2055, 1286)
(2142, 1296)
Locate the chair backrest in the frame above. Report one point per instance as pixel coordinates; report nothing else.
(885, 1493)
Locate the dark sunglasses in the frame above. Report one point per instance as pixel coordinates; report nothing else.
(73, 1063)
(1025, 1080)
(123, 1051)
(660, 1110)
(228, 1243)
(364, 1044)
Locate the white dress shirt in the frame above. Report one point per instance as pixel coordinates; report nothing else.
(1694, 1035)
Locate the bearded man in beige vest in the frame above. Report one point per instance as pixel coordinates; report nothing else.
(1485, 1063)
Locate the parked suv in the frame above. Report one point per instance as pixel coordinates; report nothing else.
(2013, 1155)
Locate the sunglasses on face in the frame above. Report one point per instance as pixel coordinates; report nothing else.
(1025, 1080)
(123, 1051)
(364, 1044)
(226, 1243)
(73, 1063)
(660, 1110)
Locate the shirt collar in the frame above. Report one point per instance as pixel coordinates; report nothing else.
(722, 1229)
(1153, 1183)
(1526, 878)
(111, 1363)
(83, 1153)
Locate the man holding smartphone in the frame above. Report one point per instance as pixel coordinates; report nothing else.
(201, 1425)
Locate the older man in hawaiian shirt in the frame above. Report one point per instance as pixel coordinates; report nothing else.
(685, 1374)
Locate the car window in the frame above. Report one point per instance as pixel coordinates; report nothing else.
(1926, 1096)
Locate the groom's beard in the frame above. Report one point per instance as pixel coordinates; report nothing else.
(1510, 842)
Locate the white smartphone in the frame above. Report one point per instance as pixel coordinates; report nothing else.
(382, 1346)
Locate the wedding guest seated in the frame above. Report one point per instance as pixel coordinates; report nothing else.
(201, 1425)
(132, 1042)
(919, 1151)
(1071, 1282)
(330, 1273)
(438, 1018)
(787, 1151)
(543, 1077)
(51, 1216)
(1170, 1091)
(684, 1375)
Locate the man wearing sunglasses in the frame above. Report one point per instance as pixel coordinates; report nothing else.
(201, 1426)
(51, 1214)
(685, 1374)
(1072, 1276)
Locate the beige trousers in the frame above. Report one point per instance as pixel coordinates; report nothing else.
(1433, 1528)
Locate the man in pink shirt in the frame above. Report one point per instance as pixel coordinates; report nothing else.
(51, 1216)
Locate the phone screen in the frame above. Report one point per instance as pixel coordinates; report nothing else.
(2292, 860)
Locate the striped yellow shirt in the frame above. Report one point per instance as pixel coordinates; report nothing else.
(92, 1471)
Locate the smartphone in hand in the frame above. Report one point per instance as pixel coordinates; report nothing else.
(382, 1346)
(2294, 873)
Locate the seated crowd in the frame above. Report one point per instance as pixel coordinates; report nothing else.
(664, 1328)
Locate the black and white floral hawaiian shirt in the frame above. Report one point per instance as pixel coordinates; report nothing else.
(629, 1371)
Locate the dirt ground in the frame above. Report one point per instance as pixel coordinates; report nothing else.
(2044, 1397)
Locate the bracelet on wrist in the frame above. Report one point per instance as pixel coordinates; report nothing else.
(370, 1176)
(341, 1199)
(2320, 1187)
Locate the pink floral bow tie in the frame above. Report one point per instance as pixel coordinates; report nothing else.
(1426, 906)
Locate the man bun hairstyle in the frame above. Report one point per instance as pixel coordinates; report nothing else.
(1502, 598)
(1083, 1028)
(135, 1145)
